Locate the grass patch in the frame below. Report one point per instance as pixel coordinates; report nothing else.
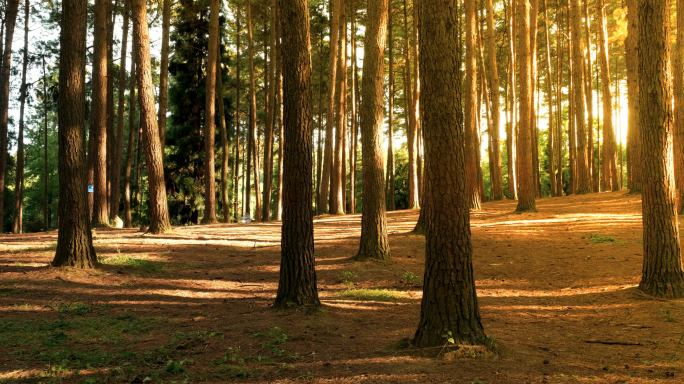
(347, 276)
(597, 239)
(8, 291)
(128, 261)
(411, 278)
(372, 294)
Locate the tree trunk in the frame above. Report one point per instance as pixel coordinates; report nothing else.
(326, 175)
(678, 87)
(495, 161)
(279, 106)
(164, 73)
(270, 122)
(159, 210)
(19, 182)
(118, 145)
(590, 99)
(252, 155)
(297, 284)
(559, 106)
(74, 238)
(610, 172)
(534, 78)
(210, 118)
(374, 242)
(128, 221)
(512, 129)
(416, 101)
(551, 137)
(583, 169)
(389, 180)
(45, 147)
(98, 116)
(449, 305)
(471, 137)
(225, 153)
(662, 274)
(11, 18)
(414, 197)
(354, 125)
(319, 149)
(633, 128)
(236, 159)
(572, 133)
(111, 135)
(337, 176)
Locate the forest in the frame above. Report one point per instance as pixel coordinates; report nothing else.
(345, 191)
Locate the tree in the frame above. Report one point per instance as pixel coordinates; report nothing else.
(412, 132)
(74, 239)
(98, 118)
(551, 135)
(159, 210)
(297, 284)
(374, 242)
(270, 120)
(526, 179)
(583, 169)
(225, 152)
(449, 301)
(236, 173)
(678, 87)
(471, 136)
(128, 222)
(495, 161)
(10, 19)
(163, 72)
(611, 179)
(389, 180)
(19, 184)
(210, 118)
(633, 127)
(512, 127)
(252, 158)
(662, 274)
(338, 176)
(118, 145)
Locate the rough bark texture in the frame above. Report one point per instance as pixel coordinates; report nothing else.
(526, 178)
(495, 160)
(678, 78)
(236, 159)
(118, 145)
(662, 274)
(11, 18)
(210, 118)
(326, 175)
(19, 180)
(297, 284)
(633, 124)
(374, 242)
(583, 169)
(337, 176)
(389, 180)
(159, 210)
(98, 116)
(127, 219)
(471, 137)
(225, 150)
(354, 125)
(270, 121)
(412, 132)
(279, 113)
(449, 303)
(252, 155)
(74, 239)
(111, 136)
(512, 128)
(588, 77)
(164, 73)
(551, 138)
(611, 178)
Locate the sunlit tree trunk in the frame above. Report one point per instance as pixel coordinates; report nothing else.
(236, 159)
(111, 135)
(633, 123)
(559, 104)
(210, 118)
(512, 128)
(337, 174)
(534, 140)
(526, 181)
(270, 121)
(610, 172)
(354, 125)
(588, 76)
(551, 133)
(252, 155)
(583, 169)
(279, 113)
(98, 115)
(495, 161)
(164, 73)
(118, 145)
(389, 180)
(471, 136)
(412, 132)
(19, 182)
(225, 152)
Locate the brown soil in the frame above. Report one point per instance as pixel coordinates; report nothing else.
(549, 283)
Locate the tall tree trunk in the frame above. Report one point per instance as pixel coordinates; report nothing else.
(253, 157)
(111, 135)
(98, 118)
(610, 172)
(319, 149)
(389, 180)
(413, 198)
(374, 242)
(354, 125)
(588, 73)
(164, 73)
(297, 284)
(11, 18)
(416, 101)
(270, 122)
(583, 169)
(236, 159)
(662, 274)
(74, 239)
(128, 221)
(471, 137)
(483, 96)
(159, 210)
(225, 153)
(337, 175)
(326, 175)
(45, 148)
(19, 183)
(118, 145)
(633, 128)
(559, 105)
(449, 301)
(527, 182)
(534, 12)
(551, 138)
(678, 87)
(512, 129)
(279, 109)
(210, 118)
(495, 161)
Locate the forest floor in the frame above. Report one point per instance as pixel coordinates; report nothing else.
(195, 305)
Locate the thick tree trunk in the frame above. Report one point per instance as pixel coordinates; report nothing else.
(583, 169)
(495, 161)
(98, 117)
(111, 135)
(526, 176)
(449, 304)
(236, 159)
(19, 181)
(389, 180)
(74, 239)
(297, 284)
(374, 242)
(159, 210)
(412, 132)
(270, 121)
(210, 118)
(678, 87)
(11, 18)
(326, 174)
(610, 172)
(337, 176)
(662, 274)
(164, 73)
(471, 136)
(225, 203)
(633, 128)
(128, 221)
(118, 145)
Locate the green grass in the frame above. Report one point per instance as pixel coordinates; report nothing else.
(372, 294)
(597, 239)
(411, 278)
(128, 261)
(8, 291)
(347, 276)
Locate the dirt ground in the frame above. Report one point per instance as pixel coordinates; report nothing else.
(554, 287)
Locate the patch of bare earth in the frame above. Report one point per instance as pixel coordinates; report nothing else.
(556, 288)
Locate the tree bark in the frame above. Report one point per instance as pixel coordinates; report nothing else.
(471, 137)
(297, 284)
(662, 274)
(111, 135)
(11, 18)
(389, 180)
(583, 169)
(495, 161)
(159, 210)
(164, 73)
(253, 157)
(633, 128)
(354, 126)
(326, 175)
(337, 176)
(225, 152)
(414, 197)
(590, 99)
(526, 178)
(210, 118)
(512, 129)
(128, 221)
(236, 159)
(270, 121)
(374, 242)
(74, 238)
(19, 182)
(281, 132)
(45, 148)
(610, 173)
(449, 305)
(551, 137)
(98, 118)
(118, 145)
